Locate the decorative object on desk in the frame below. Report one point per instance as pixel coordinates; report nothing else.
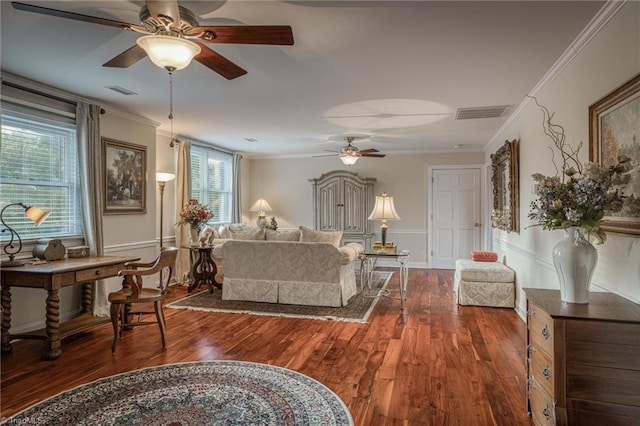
(125, 171)
(49, 250)
(579, 198)
(613, 131)
(262, 207)
(36, 215)
(162, 178)
(384, 210)
(505, 178)
(357, 310)
(77, 251)
(195, 393)
(195, 215)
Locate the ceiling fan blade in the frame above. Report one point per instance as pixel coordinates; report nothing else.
(164, 8)
(126, 58)
(250, 34)
(70, 15)
(368, 151)
(373, 155)
(219, 63)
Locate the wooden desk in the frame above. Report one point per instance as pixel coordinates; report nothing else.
(52, 276)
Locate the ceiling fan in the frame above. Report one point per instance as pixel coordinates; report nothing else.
(349, 154)
(165, 21)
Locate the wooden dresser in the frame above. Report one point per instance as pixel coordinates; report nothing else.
(583, 360)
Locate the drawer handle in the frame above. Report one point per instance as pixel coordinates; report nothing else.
(545, 332)
(98, 272)
(546, 372)
(546, 412)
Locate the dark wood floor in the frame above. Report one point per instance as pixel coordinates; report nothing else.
(433, 364)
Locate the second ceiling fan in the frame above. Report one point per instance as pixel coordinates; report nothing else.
(349, 154)
(165, 23)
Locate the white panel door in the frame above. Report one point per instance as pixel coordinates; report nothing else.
(455, 216)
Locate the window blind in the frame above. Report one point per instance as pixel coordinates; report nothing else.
(39, 166)
(211, 180)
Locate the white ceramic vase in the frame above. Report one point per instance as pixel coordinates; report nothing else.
(195, 236)
(575, 259)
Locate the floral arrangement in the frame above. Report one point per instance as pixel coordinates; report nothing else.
(581, 195)
(195, 214)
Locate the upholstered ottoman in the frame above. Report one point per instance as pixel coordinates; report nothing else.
(484, 284)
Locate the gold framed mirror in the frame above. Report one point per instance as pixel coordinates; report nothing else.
(505, 181)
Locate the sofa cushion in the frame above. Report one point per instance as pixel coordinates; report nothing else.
(272, 235)
(308, 235)
(224, 231)
(252, 234)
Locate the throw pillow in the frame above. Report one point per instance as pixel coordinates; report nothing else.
(484, 256)
(224, 232)
(312, 236)
(254, 234)
(282, 235)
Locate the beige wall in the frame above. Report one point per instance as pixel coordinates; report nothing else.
(284, 183)
(611, 58)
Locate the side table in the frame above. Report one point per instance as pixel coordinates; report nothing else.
(204, 269)
(368, 264)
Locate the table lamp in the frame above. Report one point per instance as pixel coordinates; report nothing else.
(36, 215)
(384, 210)
(262, 207)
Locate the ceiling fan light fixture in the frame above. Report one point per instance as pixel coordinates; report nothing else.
(349, 159)
(169, 52)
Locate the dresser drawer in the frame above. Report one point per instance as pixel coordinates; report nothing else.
(542, 406)
(97, 273)
(541, 369)
(540, 328)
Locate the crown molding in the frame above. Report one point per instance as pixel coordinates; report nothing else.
(598, 22)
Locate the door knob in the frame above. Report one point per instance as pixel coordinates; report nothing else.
(477, 225)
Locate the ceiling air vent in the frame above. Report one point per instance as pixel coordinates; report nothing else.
(482, 112)
(121, 90)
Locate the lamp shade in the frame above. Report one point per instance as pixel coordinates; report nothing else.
(164, 177)
(36, 215)
(349, 159)
(261, 206)
(384, 209)
(169, 52)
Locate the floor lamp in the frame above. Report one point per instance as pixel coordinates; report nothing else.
(162, 178)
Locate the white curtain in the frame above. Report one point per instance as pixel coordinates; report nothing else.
(183, 192)
(236, 214)
(92, 193)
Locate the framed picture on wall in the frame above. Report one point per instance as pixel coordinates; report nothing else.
(614, 131)
(124, 175)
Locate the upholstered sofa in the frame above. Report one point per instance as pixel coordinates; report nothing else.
(291, 272)
(301, 266)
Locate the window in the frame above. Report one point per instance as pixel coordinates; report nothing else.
(39, 166)
(211, 181)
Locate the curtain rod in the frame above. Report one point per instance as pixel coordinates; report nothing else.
(203, 144)
(46, 95)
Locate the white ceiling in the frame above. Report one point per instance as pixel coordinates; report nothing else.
(357, 67)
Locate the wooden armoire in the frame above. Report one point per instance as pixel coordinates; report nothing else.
(342, 201)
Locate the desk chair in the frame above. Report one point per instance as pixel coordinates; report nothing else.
(133, 292)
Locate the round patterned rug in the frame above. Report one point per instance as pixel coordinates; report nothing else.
(198, 393)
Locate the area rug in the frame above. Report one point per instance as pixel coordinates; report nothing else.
(197, 393)
(357, 310)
